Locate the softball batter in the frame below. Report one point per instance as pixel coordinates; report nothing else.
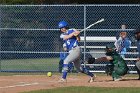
(71, 37)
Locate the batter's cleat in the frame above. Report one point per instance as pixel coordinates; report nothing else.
(91, 79)
(117, 79)
(62, 80)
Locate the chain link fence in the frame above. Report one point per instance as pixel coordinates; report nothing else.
(30, 38)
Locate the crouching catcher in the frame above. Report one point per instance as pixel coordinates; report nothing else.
(117, 67)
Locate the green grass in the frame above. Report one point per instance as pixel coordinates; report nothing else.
(88, 90)
(30, 64)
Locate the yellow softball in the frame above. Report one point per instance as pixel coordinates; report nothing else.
(49, 74)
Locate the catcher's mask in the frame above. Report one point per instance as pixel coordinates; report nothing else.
(110, 48)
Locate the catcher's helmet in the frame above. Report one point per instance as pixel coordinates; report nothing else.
(62, 24)
(110, 48)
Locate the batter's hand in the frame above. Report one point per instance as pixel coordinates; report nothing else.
(78, 38)
(76, 33)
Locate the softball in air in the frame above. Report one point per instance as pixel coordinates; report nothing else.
(49, 74)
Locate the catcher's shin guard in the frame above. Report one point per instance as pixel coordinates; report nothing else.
(85, 71)
(109, 69)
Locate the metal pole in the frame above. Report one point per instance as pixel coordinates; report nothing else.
(0, 37)
(84, 36)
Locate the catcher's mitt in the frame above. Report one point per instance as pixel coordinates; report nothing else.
(91, 60)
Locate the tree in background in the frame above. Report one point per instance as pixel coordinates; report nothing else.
(21, 1)
(69, 1)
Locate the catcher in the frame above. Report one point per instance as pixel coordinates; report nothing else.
(117, 67)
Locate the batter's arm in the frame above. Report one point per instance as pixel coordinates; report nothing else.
(68, 36)
(78, 38)
(75, 33)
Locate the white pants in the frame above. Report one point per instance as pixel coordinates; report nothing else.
(74, 56)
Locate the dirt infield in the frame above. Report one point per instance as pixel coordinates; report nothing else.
(20, 83)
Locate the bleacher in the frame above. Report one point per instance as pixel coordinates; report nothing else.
(98, 51)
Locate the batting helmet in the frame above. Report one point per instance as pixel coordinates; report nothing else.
(62, 24)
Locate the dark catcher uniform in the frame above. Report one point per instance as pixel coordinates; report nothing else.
(118, 65)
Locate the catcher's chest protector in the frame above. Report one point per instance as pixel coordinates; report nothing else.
(119, 61)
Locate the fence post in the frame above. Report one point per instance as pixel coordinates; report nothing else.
(0, 37)
(84, 35)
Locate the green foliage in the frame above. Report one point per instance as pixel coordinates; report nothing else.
(69, 1)
(43, 64)
(19, 1)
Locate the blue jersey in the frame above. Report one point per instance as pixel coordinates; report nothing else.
(71, 42)
(123, 44)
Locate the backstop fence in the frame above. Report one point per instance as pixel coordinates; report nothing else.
(30, 38)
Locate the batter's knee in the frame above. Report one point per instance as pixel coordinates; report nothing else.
(65, 68)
